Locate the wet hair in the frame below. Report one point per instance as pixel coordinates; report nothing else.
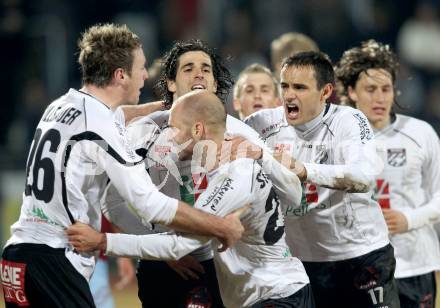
(170, 63)
(254, 68)
(370, 55)
(319, 61)
(103, 48)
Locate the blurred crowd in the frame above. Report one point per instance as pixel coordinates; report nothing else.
(38, 40)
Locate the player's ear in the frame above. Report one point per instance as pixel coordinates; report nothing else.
(119, 75)
(197, 131)
(171, 84)
(327, 91)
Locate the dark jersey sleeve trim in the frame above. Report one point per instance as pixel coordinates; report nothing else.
(90, 136)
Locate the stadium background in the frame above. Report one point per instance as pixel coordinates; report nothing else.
(38, 54)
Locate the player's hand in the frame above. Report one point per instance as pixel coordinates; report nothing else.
(236, 229)
(395, 220)
(126, 272)
(236, 147)
(187, 267)
(86, 239)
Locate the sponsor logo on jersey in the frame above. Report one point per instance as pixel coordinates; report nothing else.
(217, 195)
(396, 157)
(270, 128)
(309, 202)
(38, 215)
(12, 277)
(364, 128)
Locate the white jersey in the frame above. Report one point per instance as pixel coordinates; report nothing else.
(184, 183)
(259, 266)
(330, 225)
(80, 144)
(410, 183)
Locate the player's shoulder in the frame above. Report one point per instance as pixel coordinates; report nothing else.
(160, 117)
(240, 170)
(93, 107)
(343, 113)
(234, 124)
(229, 185)
(418, 130)
(340, 115)
(267, 120)
(410, 124)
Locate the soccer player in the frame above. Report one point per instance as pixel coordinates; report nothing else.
(339, 232)
(408, 189)
(256, 88)
(188, 66)
(288, 45)
(80, 144)
(258, 271)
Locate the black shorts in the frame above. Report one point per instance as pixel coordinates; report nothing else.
(161, 286)
(417, 291)
(365, 281)
(36, 275)
(303, 298)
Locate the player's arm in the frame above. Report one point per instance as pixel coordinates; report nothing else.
(162, 246)
(281, 168)
(358, 165)
(356, 160)
(249, 144)
(428, 213)
(155, 207)
(117, 211)
(133, 111)
(134, 184)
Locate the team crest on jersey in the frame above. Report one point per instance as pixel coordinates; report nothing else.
(396, 157)
(321, 154)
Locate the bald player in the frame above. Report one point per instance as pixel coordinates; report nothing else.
(259, 270)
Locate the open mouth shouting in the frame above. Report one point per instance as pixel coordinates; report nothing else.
(292, 111)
